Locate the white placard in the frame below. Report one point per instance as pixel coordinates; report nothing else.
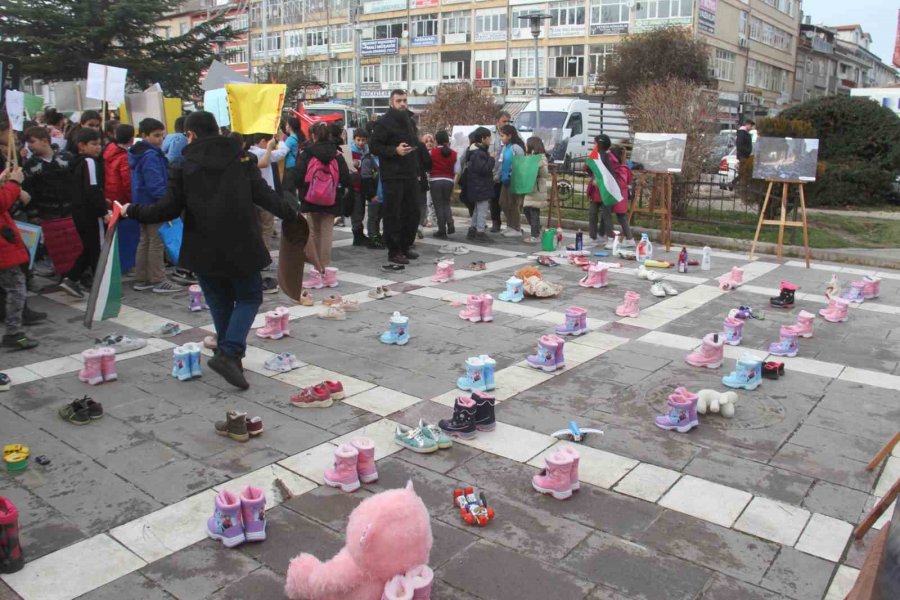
(15, 109)
(114, 77)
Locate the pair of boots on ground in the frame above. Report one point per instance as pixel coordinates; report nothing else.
(12, 558)
(444, 271)
(398, 330)
(733, 335)
(238, 518)
(479, 308)
(470, 414)
(415, 584)
(99, 366)
(732, 280)
(321, 279)
(631, 305)
(559, 477)
(238, 426)
(278, 324)
(186, 361)
(867, 288)
(515, 290)
(354, 462)
(682, 415)
(480, 374)
(549, 356)
(711, 355)
(597, 277)
(576, 322)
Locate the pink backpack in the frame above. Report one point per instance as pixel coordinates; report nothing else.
(322, 182)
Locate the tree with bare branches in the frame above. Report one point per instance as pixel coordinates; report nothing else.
(457, 104)
(294, 74)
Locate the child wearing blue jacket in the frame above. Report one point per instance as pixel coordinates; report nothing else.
(149, 180)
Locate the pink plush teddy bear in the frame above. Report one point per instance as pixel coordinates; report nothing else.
(387, 534)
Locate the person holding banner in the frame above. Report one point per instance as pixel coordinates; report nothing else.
(216, 191)
(13, 255)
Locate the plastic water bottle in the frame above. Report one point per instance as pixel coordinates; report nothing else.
(706, 261)
(683, 260)
(579, 241)
(615, 246)
(644, 249)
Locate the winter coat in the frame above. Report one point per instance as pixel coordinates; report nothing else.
(623, 178)
(149, 173)
(393, 128)
(744, 143)
(424, 166)
(12, 253)
(539, 198)
(498, 164)
(118, 174)
(88, 191)
(443, 162)
(479, 179)
(49, 182)
(325, 152)
(173, 145)
(216, 191)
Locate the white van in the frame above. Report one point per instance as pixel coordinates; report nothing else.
(569, 125)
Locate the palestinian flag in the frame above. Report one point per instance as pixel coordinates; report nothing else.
(610, 193)
(105, 300)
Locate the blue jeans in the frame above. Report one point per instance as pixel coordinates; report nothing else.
(233, 304)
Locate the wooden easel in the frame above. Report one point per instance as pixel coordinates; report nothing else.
(782, 222)
(660, 202)
(889, 497)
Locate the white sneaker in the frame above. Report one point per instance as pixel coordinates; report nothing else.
(628, 244)
(645, 273)
(510, 232)
(657, 290)
(609, 243)
(669, 288)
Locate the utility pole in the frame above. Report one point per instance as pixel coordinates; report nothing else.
(355, 9)
(249, 44)
(265, 30)
(328, 44)
(408, 49)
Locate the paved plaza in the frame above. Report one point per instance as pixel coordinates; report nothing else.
(757, 507)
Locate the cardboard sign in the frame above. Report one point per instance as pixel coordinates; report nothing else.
(106, 83)
(255, 107)
(15, 109)
(147, 105)
(216, 102)
(218, 75)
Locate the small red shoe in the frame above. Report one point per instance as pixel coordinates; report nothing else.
(315, 396)
(335, 388)
(254, 426)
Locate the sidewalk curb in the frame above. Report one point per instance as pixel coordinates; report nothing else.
(696, 239)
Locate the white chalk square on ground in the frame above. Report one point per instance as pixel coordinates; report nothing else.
(381, 432)
(670, 340)
(596, 467)
(510, 442)
(689, 279)
(773, 521)
(889, 475)
(811, 366)
(55, 366)
(601, 340)
(647, 482)
(265, 479)
(825, 537)
(74, 570)
(842, 583)
(449, 398)
(382, 401)
(705, 500)
(20, 375)
(647, 321)
(312, 375)
(143, 321)
(518, 309)
(515, 379)
(757, 269)
(312, 462)
(577, 353)
(169, 529)
(874, 378)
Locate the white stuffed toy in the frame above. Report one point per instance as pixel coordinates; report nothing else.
(716, 402)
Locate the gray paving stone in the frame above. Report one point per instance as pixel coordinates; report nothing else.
(242, 458)
(750, 476)
(261, 584)
(444, 591)
(825, 463)
(7, 594)
(736, 554)
(200, 570)
(798, 575)
(329, 506)
(287, 535)
(133, 585)
(194, 436)
(835, 501)
(847, 444)
(479, 572)
(635, 569)
(176, 480)
(726, 588)
(449, 541)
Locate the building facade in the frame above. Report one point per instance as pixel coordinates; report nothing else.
(817, 63)
(195, 12)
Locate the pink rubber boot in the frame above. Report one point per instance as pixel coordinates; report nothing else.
(692, 398)
(472, 311)
(253, 513)
(108, 364)
(330, 278)
(856, 292)
(545, 357)
(399, 587)
(804, 325)
(443, 272)
(365, 465)
(196, 299)
(315, 281)
(682, 415)
(556, 478)
(560, 357)
(734, 331)
(576, 322)
(487, 308)
(92, 372)
(836, 312)
(421, 579)
(572, 453)
(225, 524)
(631, 306)
(343, 474)
(733, 280)
(872, 288)
(596, 277)
(272, 329)
(285, 319)
(710, 354)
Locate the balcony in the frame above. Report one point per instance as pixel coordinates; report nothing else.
(848, 83)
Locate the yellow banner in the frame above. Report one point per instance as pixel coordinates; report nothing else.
(172, 106)
(255, 107)
(123, 115)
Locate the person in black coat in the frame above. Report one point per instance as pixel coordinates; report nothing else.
(395, 142)
(744, 150)
(216, 191)
(480, 183)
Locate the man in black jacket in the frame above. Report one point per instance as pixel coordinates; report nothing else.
(744, 150)
(394, 141)
(216, 191)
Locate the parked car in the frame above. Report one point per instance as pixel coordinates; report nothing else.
(722, 144)
(728, 170)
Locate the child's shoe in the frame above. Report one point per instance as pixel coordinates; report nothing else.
(472, 311)
(710, 353)
(734, 331)
(787, 346)
(329, 279)
(365, 464)
(413, 438)
(545, 357)
(733, 280)
(196, 303)
(833, 289)
(490, 368)
(193, 349)
(747, 373)
(5, 382)
(282, 363)
(576, 322)
(772, 370)
(335, 389)
(181, 363)
(856, 292)
(682, 415)
(314, 396)
(398, 588)
(253, 513)
(514, 291)
(272, 329)
(444, 272)
(597, 277)
(225, 524)
(285, 319)
(398, 332)
(316, 281)
(484, 411)
(343, 474)
(560, 355)
(804, 325)
(556, 478)
(568, 449)
(420, 578)
(108, 364)
(474, 377)
(487, 308)
(872, 287)
(836, 311)
(12, 558)
(92, 372)
(786, 298)
(440, 438)
(631, 305)
(462, 423)
(234, 426)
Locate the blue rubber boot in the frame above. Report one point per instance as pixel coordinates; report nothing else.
(747, 373)
(490, 367)
(474, 377)
(181, 363)
(514, 290)
(398, 332)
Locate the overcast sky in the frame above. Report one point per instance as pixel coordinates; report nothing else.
(878, 18)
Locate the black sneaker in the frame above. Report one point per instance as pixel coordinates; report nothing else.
(462, 424)
(76, 413)
(18, 341)
(483, 237)
(484, 411)
(95, 409)
(5, 382)
(495, 228)
(73, 288)
(470, 235)
(398, 258)
(269, 285)
(451, 228)
(184, 277)
(229, 367)
(409, 253)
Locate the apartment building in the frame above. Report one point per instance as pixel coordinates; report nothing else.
(817, 63)
(195, 12)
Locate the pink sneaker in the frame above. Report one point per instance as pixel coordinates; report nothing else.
(804, 325)
(710, 354)
(421, 578)
(596, 277)
(330, 278)
(472, 311)
(572, 453)
(315, 281)
(365, 465)
(556, 478)
(92, 372)
(285, 319)
(108, 364)
(272, 329)
(444, 272)
(343, 474)
(487, 308)
(314, 396)
(225, 524)
(399, 587)
(335, 389)
(631, 306)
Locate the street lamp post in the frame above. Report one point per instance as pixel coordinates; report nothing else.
(535, 21)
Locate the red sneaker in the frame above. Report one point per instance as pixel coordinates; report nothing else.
(335, 389)
(316, 396)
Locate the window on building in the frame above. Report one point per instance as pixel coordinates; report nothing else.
(340, 7)
(256, 14)
(273, 12)
(424, 25)
(490, 64)
(293, 42)
(770, 35)
(765, 76)
(236, 55)
(293, 11)
(342, 71)
(369, 73)
(823, 69)
(315, 6)
(600, 58)
(316, 37)
(425, 67)
(722, 65)
(567, 61)
(453, 70)
(342, 35)
(799, 73)
(609, 11)
(390, 29)
(273, 44)
(318, 70)
(490, 22)
(570, 12)
(256, 45)
(742, 24)
(239, 22)
(393, 68)
(459, 22)
(663, 9)
(522, 63)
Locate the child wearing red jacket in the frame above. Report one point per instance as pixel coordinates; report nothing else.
(117, 183)
(13, 255)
